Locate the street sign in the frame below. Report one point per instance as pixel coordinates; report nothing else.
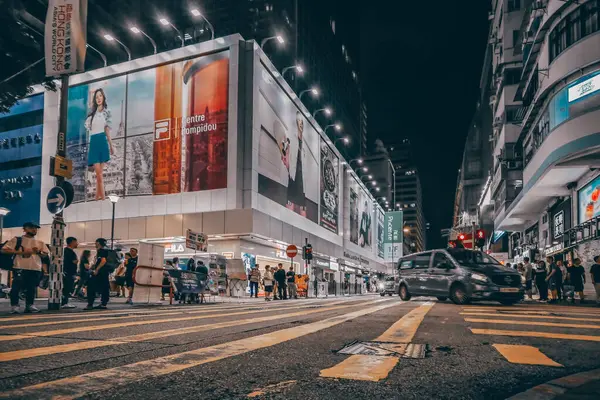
(56, 200)
(61, 166)
(291, 251)
(69, 191)
(196, 241)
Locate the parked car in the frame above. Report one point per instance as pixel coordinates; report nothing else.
(462, 275)
(389, 286)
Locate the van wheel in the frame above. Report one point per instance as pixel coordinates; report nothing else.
(458, 294)
(442, 298)
(404, 295)
(382, 294)
(390, 294)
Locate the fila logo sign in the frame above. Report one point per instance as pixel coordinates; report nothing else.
(162, 129)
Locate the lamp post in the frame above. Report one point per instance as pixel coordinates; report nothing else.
(313, 90)
(111, 38)
(297, 67)
(113, 199)
(326, 110)
(279, 38)
(102, 56)
(166, 22)
(137, 30)
(344, 139)
(196, 13)
(3, 213)
(337, 126)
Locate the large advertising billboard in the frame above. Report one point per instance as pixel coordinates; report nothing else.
(21, 133)
(380, 233)
(288, 151)
(589, 200)
(330, 183)
(393, 235)
(360, 215)
(157, 131)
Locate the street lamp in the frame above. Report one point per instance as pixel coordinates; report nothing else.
(113, 199)
(313, 90)
(337, 126)
(112, 38)
(345, 139)
(137, 31)
(3, 213)
(297, 67)
(166, 22)
(196, 13)
(102, 56)
(279, 38)
(326, 110)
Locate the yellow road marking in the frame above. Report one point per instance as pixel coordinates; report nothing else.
(546, 312)
(547, 335)
(534, 323)
(521, 354)
(362, 368)
(9, 337)
(530, 316)
(91, 344)
(375, 368)
(78, 386)
(547, 308)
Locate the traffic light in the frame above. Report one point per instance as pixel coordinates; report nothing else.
(462, 237)
(480, 238)
(307, 252)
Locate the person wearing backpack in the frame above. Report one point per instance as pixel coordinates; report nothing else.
(29, 260)
(99, 279)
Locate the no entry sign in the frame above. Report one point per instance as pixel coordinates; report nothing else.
(291, 251)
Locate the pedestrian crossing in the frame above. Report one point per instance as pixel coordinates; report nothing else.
(113, 329)
(539, 326)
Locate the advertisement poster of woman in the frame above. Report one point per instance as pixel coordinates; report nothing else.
(296, 196)
(99, 126)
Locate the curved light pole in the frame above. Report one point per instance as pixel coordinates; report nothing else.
(313, 90)
(196, 13)
(326, 110)
(337, 126)
(102, 56)
(344, 139)
(279, 38)
(137, 30)
(297, 67)
(166, 22)
(113, 199)
(112, 38)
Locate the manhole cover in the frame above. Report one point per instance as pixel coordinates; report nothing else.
(403, 350)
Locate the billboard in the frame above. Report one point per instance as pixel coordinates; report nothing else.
(588, 199)
(392, 238)
(21, 133)
(360, 215)
(288, 151)
(380, 233)
(330, 183)
(157, 131)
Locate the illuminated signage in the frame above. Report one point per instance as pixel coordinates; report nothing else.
(584, 88)
(174, 248)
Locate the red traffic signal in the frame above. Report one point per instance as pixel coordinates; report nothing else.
(480, 234)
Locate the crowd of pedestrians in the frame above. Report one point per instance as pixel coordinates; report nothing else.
(278, 283)
(554, 281)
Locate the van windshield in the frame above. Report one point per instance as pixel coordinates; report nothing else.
(471, 257)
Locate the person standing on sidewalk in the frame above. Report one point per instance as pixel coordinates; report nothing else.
(291, 283)
(528, 272)
(540, 280)
(595, 275)
(280, 278)
(69, 271)
(99, 278)
(577, 278)
(84, 272)
(254, 280)
(30, 259)
(554, 278)
(130, 265)
(268, 283)
(561, 288)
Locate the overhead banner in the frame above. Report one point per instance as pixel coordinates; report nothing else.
(329, 188)
(65, 36)
(392, 237)
(380, 234)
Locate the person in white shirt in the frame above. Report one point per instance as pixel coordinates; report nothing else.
(31, 258)
(98, 126)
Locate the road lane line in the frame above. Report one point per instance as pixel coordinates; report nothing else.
(78, 386)
(546, 312)
(91, 344)
(375, 368)
(529, 316)
(9, 337)
(546, 335)
(533, 323)
(521, 354)
(547, 308)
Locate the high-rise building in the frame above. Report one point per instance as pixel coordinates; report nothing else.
(409, 195)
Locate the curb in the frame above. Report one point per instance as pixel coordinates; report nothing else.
(557, 387)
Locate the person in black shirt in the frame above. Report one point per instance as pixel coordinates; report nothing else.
(554, 278)
(99, 278)
(595, 274)
(540, 280)
(280, 278)
(577, 278)
(69, 271)
(291, 283)
(130, 265)
(83, 273)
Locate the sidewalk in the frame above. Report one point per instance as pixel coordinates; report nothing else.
(581, 386)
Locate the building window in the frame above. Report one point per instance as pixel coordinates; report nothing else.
(574, 27)
(514, 5)
(515, 38)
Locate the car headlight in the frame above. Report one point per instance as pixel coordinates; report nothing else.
(479, 277)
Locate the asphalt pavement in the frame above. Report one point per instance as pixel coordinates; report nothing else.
(366, 347)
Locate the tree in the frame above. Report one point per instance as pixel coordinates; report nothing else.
(20, 47)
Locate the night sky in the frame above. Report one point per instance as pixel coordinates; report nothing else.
(420, 65)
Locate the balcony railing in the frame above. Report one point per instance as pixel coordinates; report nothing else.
(589, 230)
